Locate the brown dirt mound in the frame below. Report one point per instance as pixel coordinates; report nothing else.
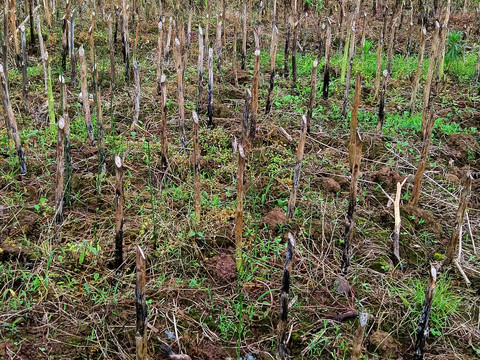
(274, 218)
(225, 270)
(460, 145)
(387, 176)
(330, 185)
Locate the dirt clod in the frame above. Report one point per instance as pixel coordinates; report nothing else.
(330, 185)
(387, 176)
(275, 217)
(383, 343)
(225, 269)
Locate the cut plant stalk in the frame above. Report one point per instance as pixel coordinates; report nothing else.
(5, 37)
(51, 108)
(294, 25)
(326, 69)
(32, 26)
(200, 69)
(423, 323)
(67, 183)
(100, 133)
(196, 166)
(71, 46)
(125, 42)
(180, 97)
(219, 44)
(418, 73)
(459, 219)
(381, 104)
(359, 336)
(169, 38)
(298, 168)
(252, 124)
(286, 71)
(11, 122)
(398, 222)
(85, 99)
(313, 86)
(136, 100)
(273, 56)
(443, 38)
(355, 155)
(12, 11)
(246, 117)
(118, 213)
(239, 211)
(210, 88)
(42, 52)
(163, 109)
(60, 171)
(159, 57)
(23, 43)
(91, 40)
(234, 60)
(111, 47)
(381, 39)
(141, 307)
(64, 42)
(349, 70)
(282, 333)
(244, 35)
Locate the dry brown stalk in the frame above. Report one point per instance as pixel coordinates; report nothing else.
(427, 127)
(66, 131)
(136, 100)
(12, 20)
(32, 26)
(359, 335)
(196, 166)
(273, 56)
(210, 88)
(326, 70)
(443, 39)
(163, 108)
(381, 104)
(354, 120)
(11, 122)
(64, 42)
(423, 323)
(125, 36)
(286, 70)
(180, 97)
(60, 171)
(23, 43)
(118, 213)
(101, 139)
(459, 218)
(219, 43)
(5, 37)
(200, 69)
(246, 117)
(431, 69)
(294, 25)
(91, 40)
(111, 47)
(398, 222)
(42, 52)
(244, 35)
(252, 126)
(298, 167)
(141, 307)
(355, 155)
(71, 46)
(381, 40)
(169, 37)
(234, 60)
(313, 86)
(85, 97)
(418, 73)
(239, 210)
(47, 13)
(349, 69)
(282, 334)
